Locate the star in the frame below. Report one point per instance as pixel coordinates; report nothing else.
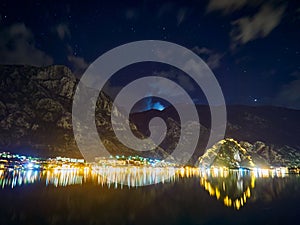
(132, 29)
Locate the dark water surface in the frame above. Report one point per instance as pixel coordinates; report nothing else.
(81, 197)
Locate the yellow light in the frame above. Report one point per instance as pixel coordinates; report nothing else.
(226, 201)
(248, 193)
(182, 172)
(252, 181)
(218, 194)
(237, 204)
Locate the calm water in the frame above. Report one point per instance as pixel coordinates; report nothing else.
(81, 196)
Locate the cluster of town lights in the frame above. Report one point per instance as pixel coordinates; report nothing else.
(130, 171)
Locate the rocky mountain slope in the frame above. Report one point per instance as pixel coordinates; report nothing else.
(274, 128)
(233, 154)
(35, 113)
(35, 117)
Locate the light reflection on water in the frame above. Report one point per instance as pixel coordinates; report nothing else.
(13, 178)
(232, 187)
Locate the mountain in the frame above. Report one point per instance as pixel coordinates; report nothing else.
(35, 118)
(271, 128)
(271, 155)
(228, 153)
(35, 114)
(232, 154)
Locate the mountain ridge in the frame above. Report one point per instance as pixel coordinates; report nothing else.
(35, 113)
(270, 124)
(35, 116)
(232, 154)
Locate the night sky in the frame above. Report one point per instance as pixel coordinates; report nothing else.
(253, 47)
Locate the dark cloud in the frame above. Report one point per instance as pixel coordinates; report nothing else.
(260, 25)
(63, 31)
(181, 15)
(78, 63)
(211, 57)
(17, 47)
(179, 77)
(174, 75)
(289, 95)
(226, 6)
(250, 27)
(131, 14)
